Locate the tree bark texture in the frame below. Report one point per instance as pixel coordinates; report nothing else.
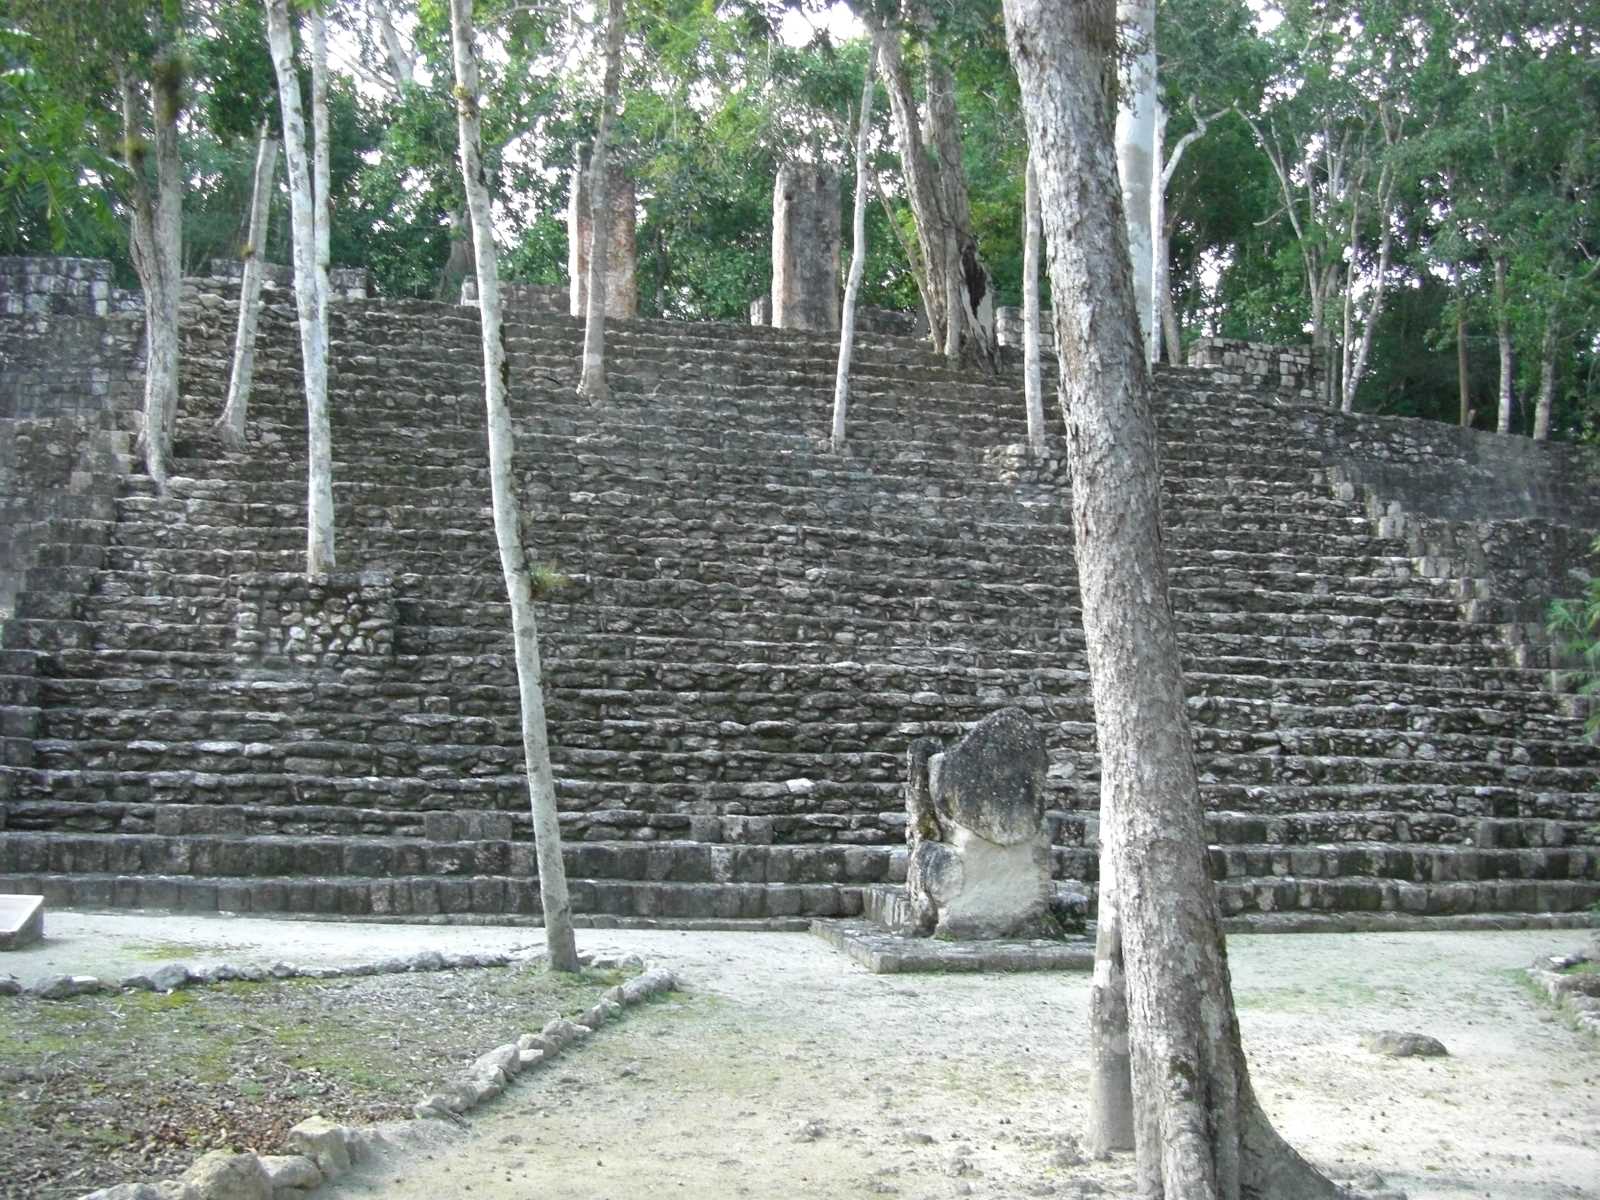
(230, 426)
(1199, 1131)
(592, 383)
(1136, 156)
(858, 256)
(1032, 373)
(559, 939)
(310, 298)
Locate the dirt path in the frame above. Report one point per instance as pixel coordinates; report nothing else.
(784, 1071)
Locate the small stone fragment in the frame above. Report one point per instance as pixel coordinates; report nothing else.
(428, 960)
(10, 987)
(502, 1058)
(62, 987)
(170, 977)
(563, 1032)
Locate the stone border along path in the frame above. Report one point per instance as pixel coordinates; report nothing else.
(318, 1150)
(1575, 994)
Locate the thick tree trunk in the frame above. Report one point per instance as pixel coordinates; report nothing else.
(858, 257)
(1502, 315)
(559, 940)
(1548, 345)
(307, 294)
(1109, 1126)
(1032, 374)
(1198, 1128)
(230, 426)
(592, 383)
(1136, 156)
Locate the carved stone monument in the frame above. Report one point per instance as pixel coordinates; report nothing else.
(980, 854)
(622, 284)
(805, 248)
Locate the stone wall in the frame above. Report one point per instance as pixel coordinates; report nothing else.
(332, 622)
(519, 300)
(805, 248)
(622, 283)
(1284, 369)
(344, 283)
(1008, 328)
(78, 287)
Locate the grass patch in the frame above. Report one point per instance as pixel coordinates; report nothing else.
(176, 951)
(136, 1085)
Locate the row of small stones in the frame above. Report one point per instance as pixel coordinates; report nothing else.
(1576, 993)
(317, 1150)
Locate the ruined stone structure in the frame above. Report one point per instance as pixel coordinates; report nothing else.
(805, 248)
(622, 257)
(755, 631)
(979, 865)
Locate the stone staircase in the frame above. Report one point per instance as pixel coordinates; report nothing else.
(750, 632)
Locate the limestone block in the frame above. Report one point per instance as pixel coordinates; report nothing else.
(622, 285)
(291, 1171)
(324, 1143)
(805, 248)
(223, 1175)
(980, 852)
(21, 921)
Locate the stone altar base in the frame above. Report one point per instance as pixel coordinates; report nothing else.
(871, 943)
(21, 921)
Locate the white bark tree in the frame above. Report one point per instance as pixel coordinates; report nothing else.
(1199, 1131)
(1032, 380)
(592, 383)
(1160, 230)
(156, 244)
(858, 255)
(1136, 156)
(230, 425)
(310, 290)
(1502, 328)
(560, 943)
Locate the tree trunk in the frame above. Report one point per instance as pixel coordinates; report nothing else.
(230, 426)
(1136, 157)
(1502, 314)
(156, 245)
(559, 940)
(1463, 383)
(592, 383)
(858, 257)
(1109, 1126)
(309, 302)
(1198, 1128)
(1547, 377)
(1032, 376)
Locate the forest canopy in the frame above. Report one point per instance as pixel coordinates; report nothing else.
(1423, 168)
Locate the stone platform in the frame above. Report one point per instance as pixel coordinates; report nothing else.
(21, 921)
(885, 953)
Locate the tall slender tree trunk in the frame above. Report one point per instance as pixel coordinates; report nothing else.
(559, 938)
(858, 256)
(310, 297)
(156, 241)
(1463, 382)
(1502, 306)
(1137, 162)
(1032, 373)
(592, 383)
(1548, 345)
(230, 425)
(1198, 1128)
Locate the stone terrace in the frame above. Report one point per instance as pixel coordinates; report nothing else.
(752, 632)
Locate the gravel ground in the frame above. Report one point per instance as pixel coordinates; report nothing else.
(781, 1070)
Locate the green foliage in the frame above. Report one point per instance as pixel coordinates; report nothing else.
(1575, 624)
(546, 581)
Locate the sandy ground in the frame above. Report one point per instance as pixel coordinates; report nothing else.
(784, 1071)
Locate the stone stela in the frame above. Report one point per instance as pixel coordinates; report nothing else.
(975, 818)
